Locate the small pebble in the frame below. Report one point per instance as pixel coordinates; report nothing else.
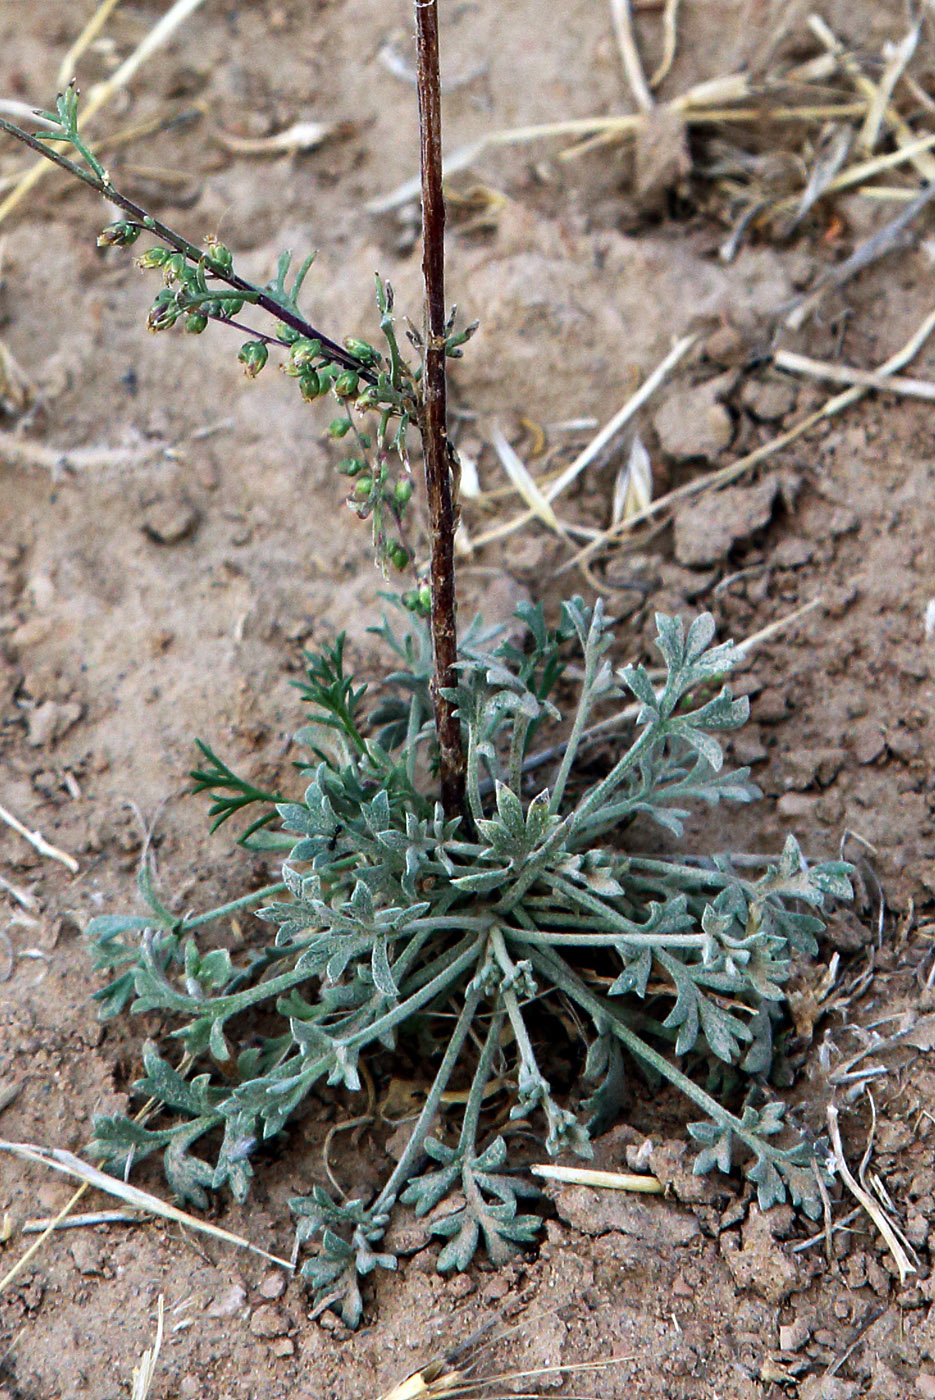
(272, 1285)
(170, 520)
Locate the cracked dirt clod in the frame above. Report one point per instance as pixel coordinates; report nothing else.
(707, 529)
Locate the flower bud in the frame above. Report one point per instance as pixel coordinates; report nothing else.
(174, 267)
(352, 466)
(310, 385)
(288, 334)
(196, 322)
(402, 492)
(253, 355)
(361, 350)
(398, 555)
(339, 427)
(304, 351)
(362, 488)
(418, 601)
(220, 255)
(153, 257)
(118, 235)
(346, 385)
(164, 312)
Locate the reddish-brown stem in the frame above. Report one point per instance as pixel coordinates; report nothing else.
(434, 417)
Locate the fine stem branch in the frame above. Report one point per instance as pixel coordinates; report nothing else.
(257, 295)
(434, 414)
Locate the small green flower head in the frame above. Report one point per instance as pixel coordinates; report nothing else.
(419, 601)
(346, 385)
(352, 466)
(398, 555)
(196, 322)
(362, 488)
(221, 256)
(174, 267)
(118, 235)
(362, 351)
(339, 427)
(310, 385)
(153, 257)
(253, 355)
(164, 312)
(402, 492)
(287, 334)
(304, 351)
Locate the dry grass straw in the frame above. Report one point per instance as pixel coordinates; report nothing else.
(849, 374)
(102, 92)
(640, 1182)
(670, 16)
(597, 444)
(454, 1375)
(900, 1257)
(734, 470)
(871, 93)
(143, 1373)
(629, 53)
(84, 40)
(711, 102)
(69, 1165)
(38, 841)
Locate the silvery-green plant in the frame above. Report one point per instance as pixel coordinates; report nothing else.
(393, 921)
(427, 894)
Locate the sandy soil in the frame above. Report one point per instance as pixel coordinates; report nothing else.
(171, 535)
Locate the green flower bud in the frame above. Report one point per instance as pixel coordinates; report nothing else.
(310, 385)
(164, 312)
(362, 488)
(231, 306)
(220, 255)
(253, 355)
(118, 235)
(286, 333)
(352, 466)
(304, 351)
(398, 555)
(402, 492)
(153, 257)
(346, 385)
(175, 267)
(361, 350)
(339, 427)
(418, 601)
(196, 322)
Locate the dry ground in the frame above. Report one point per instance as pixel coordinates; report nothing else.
(170, 536)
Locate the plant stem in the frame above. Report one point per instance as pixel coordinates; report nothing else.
(434, 415)
(258, 295)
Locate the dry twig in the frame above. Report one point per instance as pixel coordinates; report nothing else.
(632, 66)
(849, 374)
(70, 1165)
(903, 1262)
(38, 841)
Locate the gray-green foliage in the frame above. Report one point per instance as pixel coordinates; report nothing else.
(391, 921)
